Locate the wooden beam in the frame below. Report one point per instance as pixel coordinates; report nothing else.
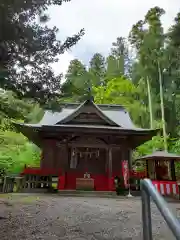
(147, 168)
(130, 159)
(172, 168)
(105, 146)
(74, 145)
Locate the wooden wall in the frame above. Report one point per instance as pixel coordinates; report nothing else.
(56, 156)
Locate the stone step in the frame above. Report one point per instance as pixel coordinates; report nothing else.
(81, 193)
(86, 193)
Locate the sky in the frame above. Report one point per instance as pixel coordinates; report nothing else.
(103, 21)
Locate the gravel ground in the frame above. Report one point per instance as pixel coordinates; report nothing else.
(56, 217)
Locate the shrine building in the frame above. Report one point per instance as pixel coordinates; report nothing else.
(85, 140)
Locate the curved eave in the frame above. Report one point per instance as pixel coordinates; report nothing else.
(135, 136)
(100, 129)
(143, 136)
(160, 158)
(29, 131)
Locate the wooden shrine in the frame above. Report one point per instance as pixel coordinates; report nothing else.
(160, 168)
(83, 145)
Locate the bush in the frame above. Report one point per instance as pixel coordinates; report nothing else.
(16, 151)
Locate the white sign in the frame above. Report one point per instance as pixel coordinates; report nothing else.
(54, 179)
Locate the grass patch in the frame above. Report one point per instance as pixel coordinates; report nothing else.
(15, 198)
(6, 195)
(29, 199)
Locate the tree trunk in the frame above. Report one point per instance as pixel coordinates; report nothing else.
(162, 108)
(150, 103)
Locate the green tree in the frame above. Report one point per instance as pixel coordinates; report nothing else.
(16, 151)
(149, 43)
(122, 91)
(27, 47)
(111, 71)
(12, 108)
(172, 78)
(77, 81)
(149, 147)
(120, 52)
(158, 59)
(97, 69)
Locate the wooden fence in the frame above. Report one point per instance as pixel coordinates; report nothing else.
(7, 184)
(39, 183)
(28, 183)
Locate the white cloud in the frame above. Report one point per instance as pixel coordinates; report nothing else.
(62, 65)
(104, 21)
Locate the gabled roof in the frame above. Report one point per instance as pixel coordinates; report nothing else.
(79, 109)
(116, 121)
(115, 115)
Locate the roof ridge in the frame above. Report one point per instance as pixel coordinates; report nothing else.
(76, 112)
(66, 105)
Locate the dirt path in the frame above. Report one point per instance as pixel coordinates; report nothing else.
(56, 218)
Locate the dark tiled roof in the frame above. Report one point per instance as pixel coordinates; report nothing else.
(116, 118)
(115, 113)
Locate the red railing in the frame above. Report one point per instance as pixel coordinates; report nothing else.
(39, 171)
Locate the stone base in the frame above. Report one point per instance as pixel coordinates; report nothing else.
(81, 193)
(34, 190)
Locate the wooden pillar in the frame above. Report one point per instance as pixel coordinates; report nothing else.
(66, 158)
(172, 169)
(147, 169)
(155, 170)
(130, 159)
(123, 157)
(63, 165)
(47, 160)
(110, 168)
(130, 165)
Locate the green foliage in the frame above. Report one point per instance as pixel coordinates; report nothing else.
(16, 151)
(120, 78)
(153, 46)
(120, 52)
(28, 47)
(122, 91)
(157, 143)
(77, 81)
(97, 69)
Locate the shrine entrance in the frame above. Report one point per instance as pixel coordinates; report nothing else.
(87, 166)
(85, 159)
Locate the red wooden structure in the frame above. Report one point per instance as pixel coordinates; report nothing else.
(160, 168)
(85, 141)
